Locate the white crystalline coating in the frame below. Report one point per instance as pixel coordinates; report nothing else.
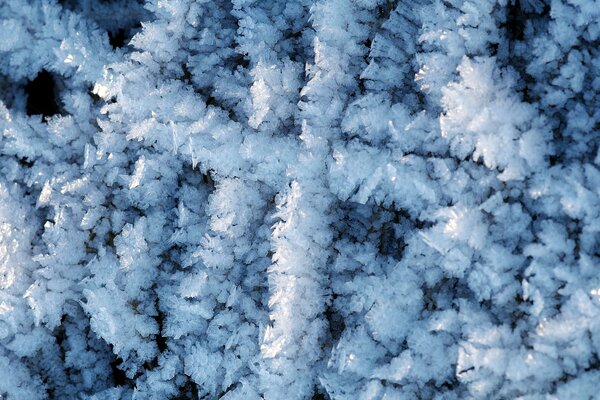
(101, 91)
(342, 199)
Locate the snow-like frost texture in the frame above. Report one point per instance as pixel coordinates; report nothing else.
(304, 199)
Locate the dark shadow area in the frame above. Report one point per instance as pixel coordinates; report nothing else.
(515, 21)
(120, 37)
(117, 38)
(41, 95)
(521, 11)
(320, 394)
(335, 321)
(119, 377)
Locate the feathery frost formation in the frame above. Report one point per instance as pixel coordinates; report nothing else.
(302, 199)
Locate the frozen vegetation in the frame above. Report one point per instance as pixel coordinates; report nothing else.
(299, 199)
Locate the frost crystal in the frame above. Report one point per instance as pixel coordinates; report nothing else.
(304, 199)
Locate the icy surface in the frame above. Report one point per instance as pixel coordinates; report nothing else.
(299, 199)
